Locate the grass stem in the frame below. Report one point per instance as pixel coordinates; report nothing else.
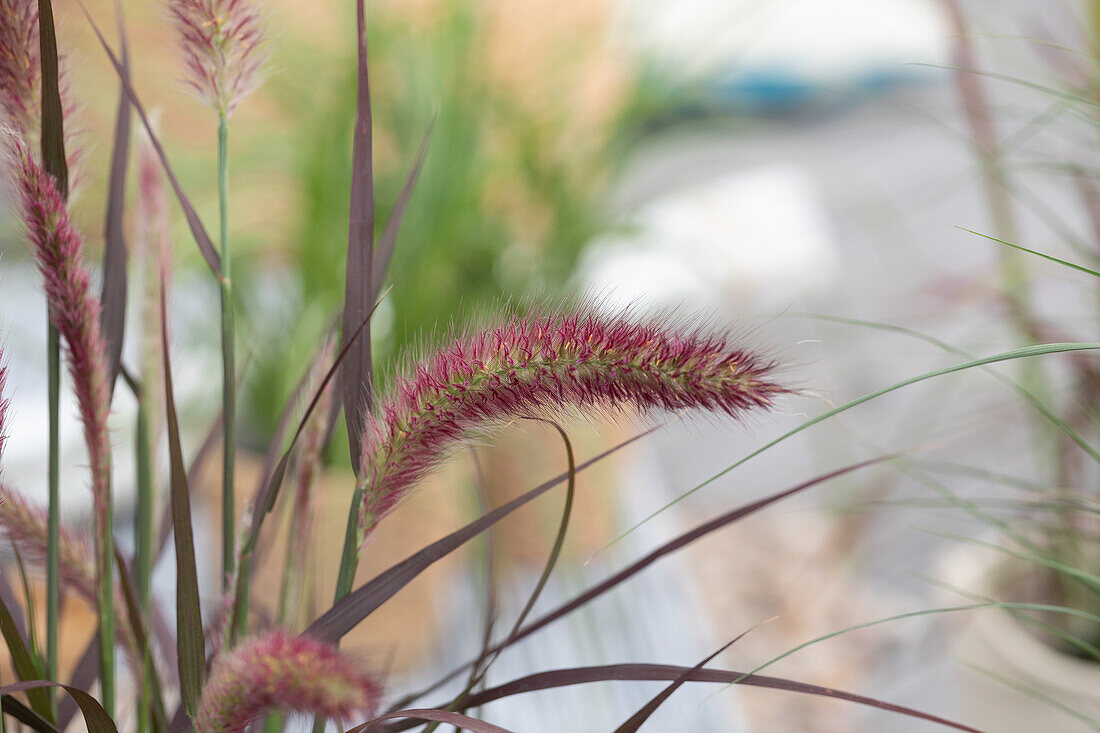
(229, 396)
(143, 543)
(53, 556)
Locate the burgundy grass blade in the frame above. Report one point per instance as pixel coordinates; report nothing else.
(198, 463)
(22, 662)
(356, 380)
(356, 606)
(198, 231)
(458, 720)
(115, 256)
(53, 112)
(384, 253)
(95, 717)
(662, 672)
(666, 549)
(190, 643)
(137, 625)
(84, 676)
(14, 707)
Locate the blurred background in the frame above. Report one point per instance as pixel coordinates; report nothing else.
(775, 165)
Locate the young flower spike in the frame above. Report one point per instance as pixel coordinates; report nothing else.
(19, 63)
(548, 363)
(277, 672)
(74, 310)
(219, 40)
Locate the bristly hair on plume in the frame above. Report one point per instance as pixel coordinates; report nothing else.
(58, 249)
(20, 69)
(572, 360)
(279, 672)
(220, 40)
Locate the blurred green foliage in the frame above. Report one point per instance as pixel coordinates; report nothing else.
(501, 207)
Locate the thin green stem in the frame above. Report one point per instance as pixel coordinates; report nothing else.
(105, 598)
(229, 389)
(143, 542)
(53, 556)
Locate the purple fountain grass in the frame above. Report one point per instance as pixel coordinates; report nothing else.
(153, 257)
(279, 672)
(20, 69)
(546, 364)
(220, 41)
(74, 310)
(3, 404)
(24, 523)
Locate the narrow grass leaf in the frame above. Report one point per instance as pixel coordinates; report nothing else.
(353, 608)
(137, 626)
(96, 718)
(638, 719)
(356, 384)
(14, 707)
(458, 720)
(113, 295)
(190, 643)
(53, 116)
(23, 662)
(658, 672)
(1022, 353)
(386, 244)
(83, 677)
(1035, 694)
(1064, 263)
(666, 549)
(198, 463)
(198, 231)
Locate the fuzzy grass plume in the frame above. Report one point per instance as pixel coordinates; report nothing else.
(220, 42)
(277, 672)
(20, 69)
(58, 249)
(3, 403)
(548, 363)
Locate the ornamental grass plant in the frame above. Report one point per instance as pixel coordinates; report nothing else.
(223, 663)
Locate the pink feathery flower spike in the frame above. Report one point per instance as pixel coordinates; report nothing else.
(3, 403)
(278, 672)
(545, 364)
(74, 310)
(20, 69)
(220, 41)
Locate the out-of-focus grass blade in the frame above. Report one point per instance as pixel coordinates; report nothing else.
(113, 296)
(198, 231)
(638, 719)
(53, 114)
(658, 672)
(14, 707)
(1037, 403)
(1035, 694)
(356, 383)
(1023, 353)
(23, 662)
(198, 463)
(666, 549)
(84, 676)
(439, 716)
(1064, 263)
(384, 253)
(8, 599)
(95, 716)
(190, 643)
(353, 608)
(137, 627)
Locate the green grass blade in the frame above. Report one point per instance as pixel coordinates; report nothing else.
(1064, 263)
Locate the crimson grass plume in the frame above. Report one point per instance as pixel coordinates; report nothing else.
(74, 310)
(278, 672)
(20, 68)
(220, 42)
(548, 363)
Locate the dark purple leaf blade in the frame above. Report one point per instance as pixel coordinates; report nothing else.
(439, 716)
(190, 643)
(661, 672)
(94, 715)
(356, 385)
(14, 707)
(666, 549)
(386, 244)
(198, 231)
(84, 676)
(137, 627)
(23, 662)
(113, 296)
(360, 603)
(638, 719)
(53, 113)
